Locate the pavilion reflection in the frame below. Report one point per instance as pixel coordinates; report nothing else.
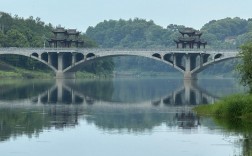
(130, 106)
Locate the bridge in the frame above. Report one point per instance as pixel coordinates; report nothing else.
(66, 61)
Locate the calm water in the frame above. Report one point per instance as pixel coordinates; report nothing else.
(120, 117)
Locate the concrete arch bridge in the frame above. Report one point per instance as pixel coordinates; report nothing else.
(66, 61)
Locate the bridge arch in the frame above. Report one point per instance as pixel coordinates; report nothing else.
(210, 63)
(79, 57)
(217, 56)
(34, 57)
(80, 63)
(169, 57)
(90, 55)
(157, 55)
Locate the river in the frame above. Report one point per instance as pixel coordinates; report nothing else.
(117, 117)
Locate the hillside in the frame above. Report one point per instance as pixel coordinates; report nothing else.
(19, 32)
(228, 33)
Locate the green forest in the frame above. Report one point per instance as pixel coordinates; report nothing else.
(15, 31)
(228, 33)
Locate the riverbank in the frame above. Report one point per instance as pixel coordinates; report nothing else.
(230, 107)
(19, 73)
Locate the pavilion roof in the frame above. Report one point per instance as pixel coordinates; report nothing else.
(72, 31)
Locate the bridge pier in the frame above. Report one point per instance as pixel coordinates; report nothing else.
(189, 76)
(69, 75)
(188, 65)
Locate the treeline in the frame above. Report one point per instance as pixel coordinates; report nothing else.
(31, 32)
(228, 33)
(16, 31)
(137, 33)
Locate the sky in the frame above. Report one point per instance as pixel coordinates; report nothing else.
(80, 14)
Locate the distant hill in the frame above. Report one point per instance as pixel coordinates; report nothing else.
(16, 31)
(20, 32)
(139, 33)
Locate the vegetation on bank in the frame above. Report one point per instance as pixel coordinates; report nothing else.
(8, 71)
(235, 106)
(231, 107)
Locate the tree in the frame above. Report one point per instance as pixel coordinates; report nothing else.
(245, 66)
(16, 39)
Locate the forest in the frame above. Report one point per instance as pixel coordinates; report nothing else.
(228, 33)
(16, 31)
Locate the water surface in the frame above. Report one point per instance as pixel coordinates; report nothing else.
(117, 117)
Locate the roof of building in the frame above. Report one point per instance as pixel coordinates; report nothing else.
(72, 32)
(59, 30)
(187, 31)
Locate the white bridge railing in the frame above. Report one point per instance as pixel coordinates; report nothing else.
(100, 50)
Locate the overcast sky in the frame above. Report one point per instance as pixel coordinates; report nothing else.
(83, 13)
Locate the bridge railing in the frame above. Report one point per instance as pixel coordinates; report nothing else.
(94, 50)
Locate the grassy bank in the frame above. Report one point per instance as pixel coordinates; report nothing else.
(25, 74)
(10, 72)
(235, 106)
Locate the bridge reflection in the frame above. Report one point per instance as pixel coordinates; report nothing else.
(69, 92)
(124, 106)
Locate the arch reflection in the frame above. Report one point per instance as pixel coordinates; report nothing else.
(89, 93)
(124, 105)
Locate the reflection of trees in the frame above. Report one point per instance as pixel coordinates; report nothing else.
(220, 87)
(62, 106)
(18, 89)
(19, 121)
(140, 119)
(14, 122)
(240, 127)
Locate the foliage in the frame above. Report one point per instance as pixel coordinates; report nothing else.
(137, 33)
(236, 106)
(19, 32)
(228, 33)
(99, 67)
(244, 67)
